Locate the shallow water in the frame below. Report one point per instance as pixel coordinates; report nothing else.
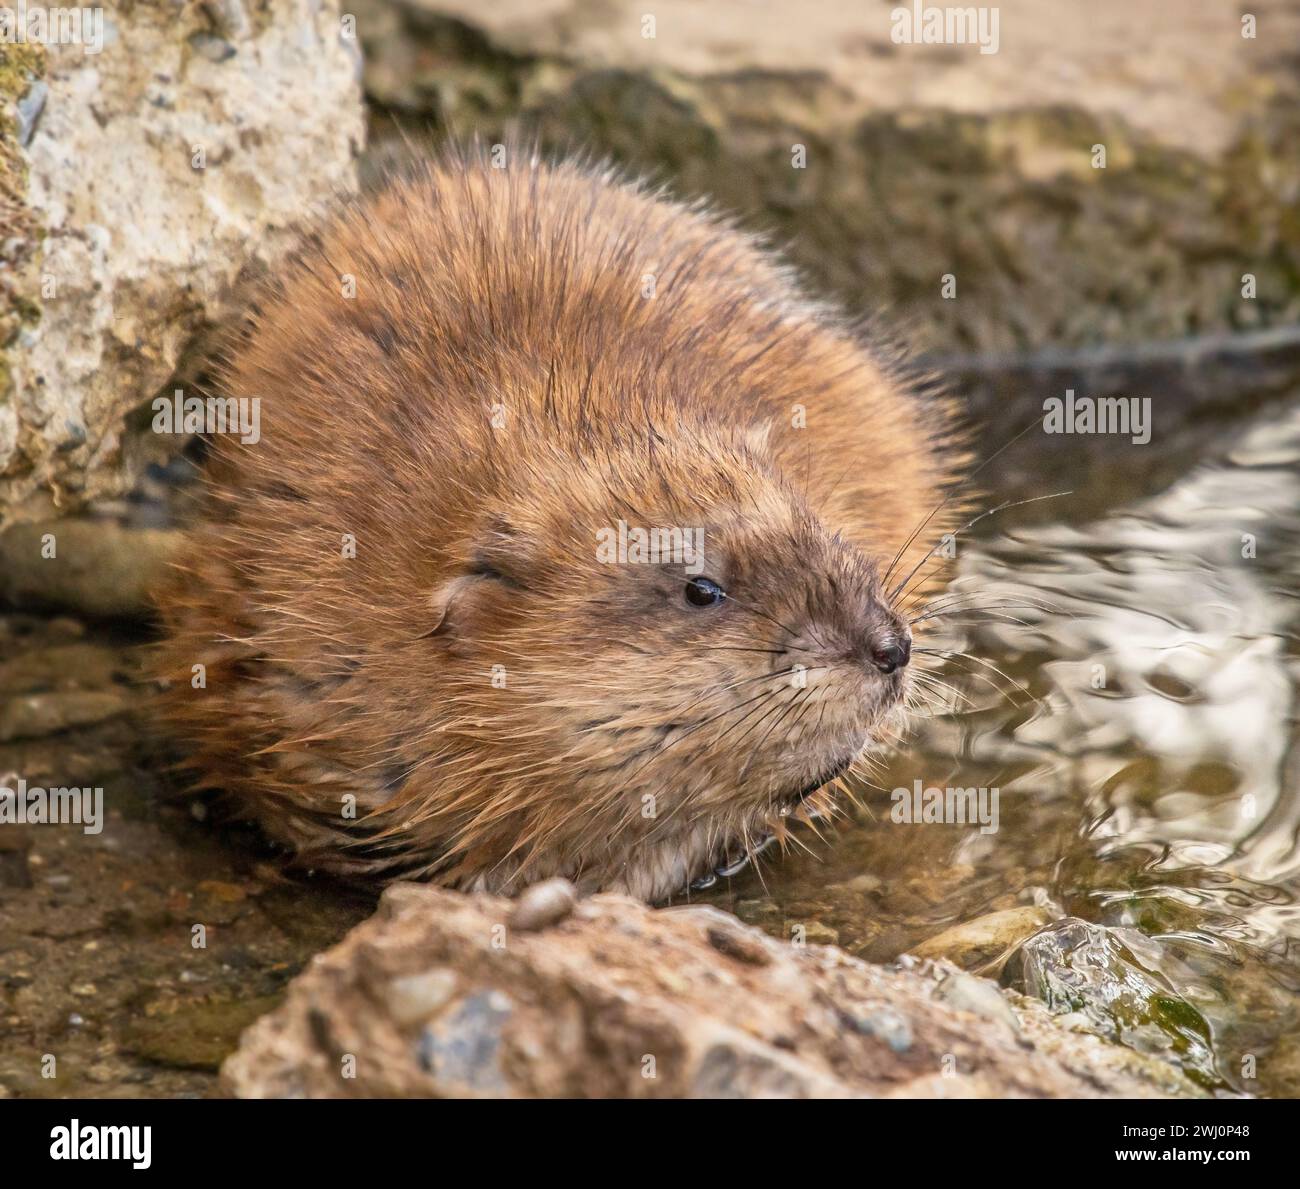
(1128, 685)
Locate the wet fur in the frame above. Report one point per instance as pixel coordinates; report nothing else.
(516, 295)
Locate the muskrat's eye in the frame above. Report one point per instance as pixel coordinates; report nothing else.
(704, 592)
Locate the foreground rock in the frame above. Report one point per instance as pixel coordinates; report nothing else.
(137, 178)
(437, 996)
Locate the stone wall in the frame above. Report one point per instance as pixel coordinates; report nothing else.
(136, 183)
(885, 166)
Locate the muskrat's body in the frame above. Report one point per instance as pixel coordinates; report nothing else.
(415, 659)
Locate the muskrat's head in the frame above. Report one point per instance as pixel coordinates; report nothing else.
(651, 661)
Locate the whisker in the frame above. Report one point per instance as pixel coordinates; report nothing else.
(956, 601)
(793, 634)
(953, 656)
(1002, 507)
(952, 495)
(763, 614)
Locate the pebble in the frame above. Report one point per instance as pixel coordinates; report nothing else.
(466, 1052)
(227, 893)
(416, 997)
(29, 108)
(888, 1025)
(985, 938)
(965, 992)
(865, 883)
(543, 905)
(1076, 1021)
(814, 933)
(215, 49)
(35, 715)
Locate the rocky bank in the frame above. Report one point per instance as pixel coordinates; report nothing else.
(442, 994)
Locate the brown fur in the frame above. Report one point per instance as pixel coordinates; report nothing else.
(497, 391)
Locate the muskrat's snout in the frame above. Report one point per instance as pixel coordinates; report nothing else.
(882, 641)
(888, 650)
(886, 642)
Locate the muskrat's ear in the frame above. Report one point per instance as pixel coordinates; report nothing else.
(442, 600)
(499, 552)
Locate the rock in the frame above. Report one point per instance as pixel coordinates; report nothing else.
(33, 715)
(1108, 980)
(29, 109)
(190, 1035)
(82, 665)
(866, 883)
(887, 167)
(987, 939)
(813, 933)
(136, 184)
(219, 890)
(463, 1052)
(100, 567)
(740, 944)
(542, 905)
(430, 998)
(889, 1025)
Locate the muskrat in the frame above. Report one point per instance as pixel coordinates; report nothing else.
(393, 639)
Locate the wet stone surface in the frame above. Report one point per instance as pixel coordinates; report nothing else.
(101, 982)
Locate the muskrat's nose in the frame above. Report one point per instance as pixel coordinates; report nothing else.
(890, 652)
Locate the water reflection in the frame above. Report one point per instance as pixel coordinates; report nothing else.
(1167, 639)
(1134, 700)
